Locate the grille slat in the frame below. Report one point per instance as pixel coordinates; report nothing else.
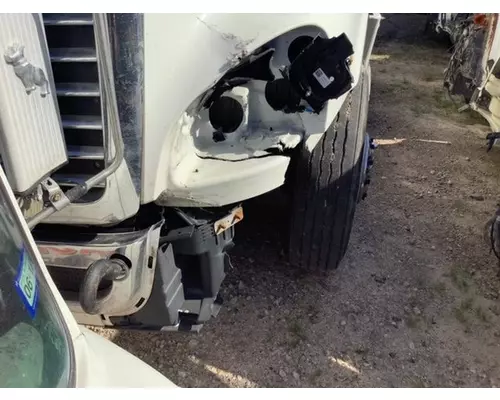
(86, 152)
(71, 42)
(72, 54)
(89, 122)
(67, 19)
(77, 89)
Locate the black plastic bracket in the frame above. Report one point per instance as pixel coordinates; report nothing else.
(190, 268)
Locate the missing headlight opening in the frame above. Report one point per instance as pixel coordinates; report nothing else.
(297, 45)
(255, 109)
(281, 96)
(226, 114)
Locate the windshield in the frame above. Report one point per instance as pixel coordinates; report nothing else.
(34, 350)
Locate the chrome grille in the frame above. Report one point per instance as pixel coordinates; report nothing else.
(72, 49)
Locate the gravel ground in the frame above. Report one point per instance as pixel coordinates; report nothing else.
(415, 302)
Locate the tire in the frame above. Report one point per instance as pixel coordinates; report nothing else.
(326, 188)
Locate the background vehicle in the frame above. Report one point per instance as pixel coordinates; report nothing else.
(450, 24)
(473, 69)
(130, 154)
(474, 74)
(41, 344)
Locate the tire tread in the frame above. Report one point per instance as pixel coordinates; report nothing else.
(325, 193)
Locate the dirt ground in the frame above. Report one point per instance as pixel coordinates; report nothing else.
(415, 302)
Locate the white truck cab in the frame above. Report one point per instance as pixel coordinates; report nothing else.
(41, 344)
(132, 141)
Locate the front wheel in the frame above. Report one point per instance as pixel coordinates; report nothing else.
(328, 182)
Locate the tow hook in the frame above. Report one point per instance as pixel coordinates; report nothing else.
(99, 272)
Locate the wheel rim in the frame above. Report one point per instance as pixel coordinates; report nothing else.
(366, 165)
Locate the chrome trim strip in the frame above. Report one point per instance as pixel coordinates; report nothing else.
(127, 43)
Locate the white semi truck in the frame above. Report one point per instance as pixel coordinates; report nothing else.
(130, 141)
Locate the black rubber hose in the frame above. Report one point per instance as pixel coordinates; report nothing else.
(112, 269)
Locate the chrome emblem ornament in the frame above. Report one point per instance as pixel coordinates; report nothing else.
(30, 76)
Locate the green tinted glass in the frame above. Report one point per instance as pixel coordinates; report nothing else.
(34, 350)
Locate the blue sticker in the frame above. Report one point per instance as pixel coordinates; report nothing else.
(26, 283)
